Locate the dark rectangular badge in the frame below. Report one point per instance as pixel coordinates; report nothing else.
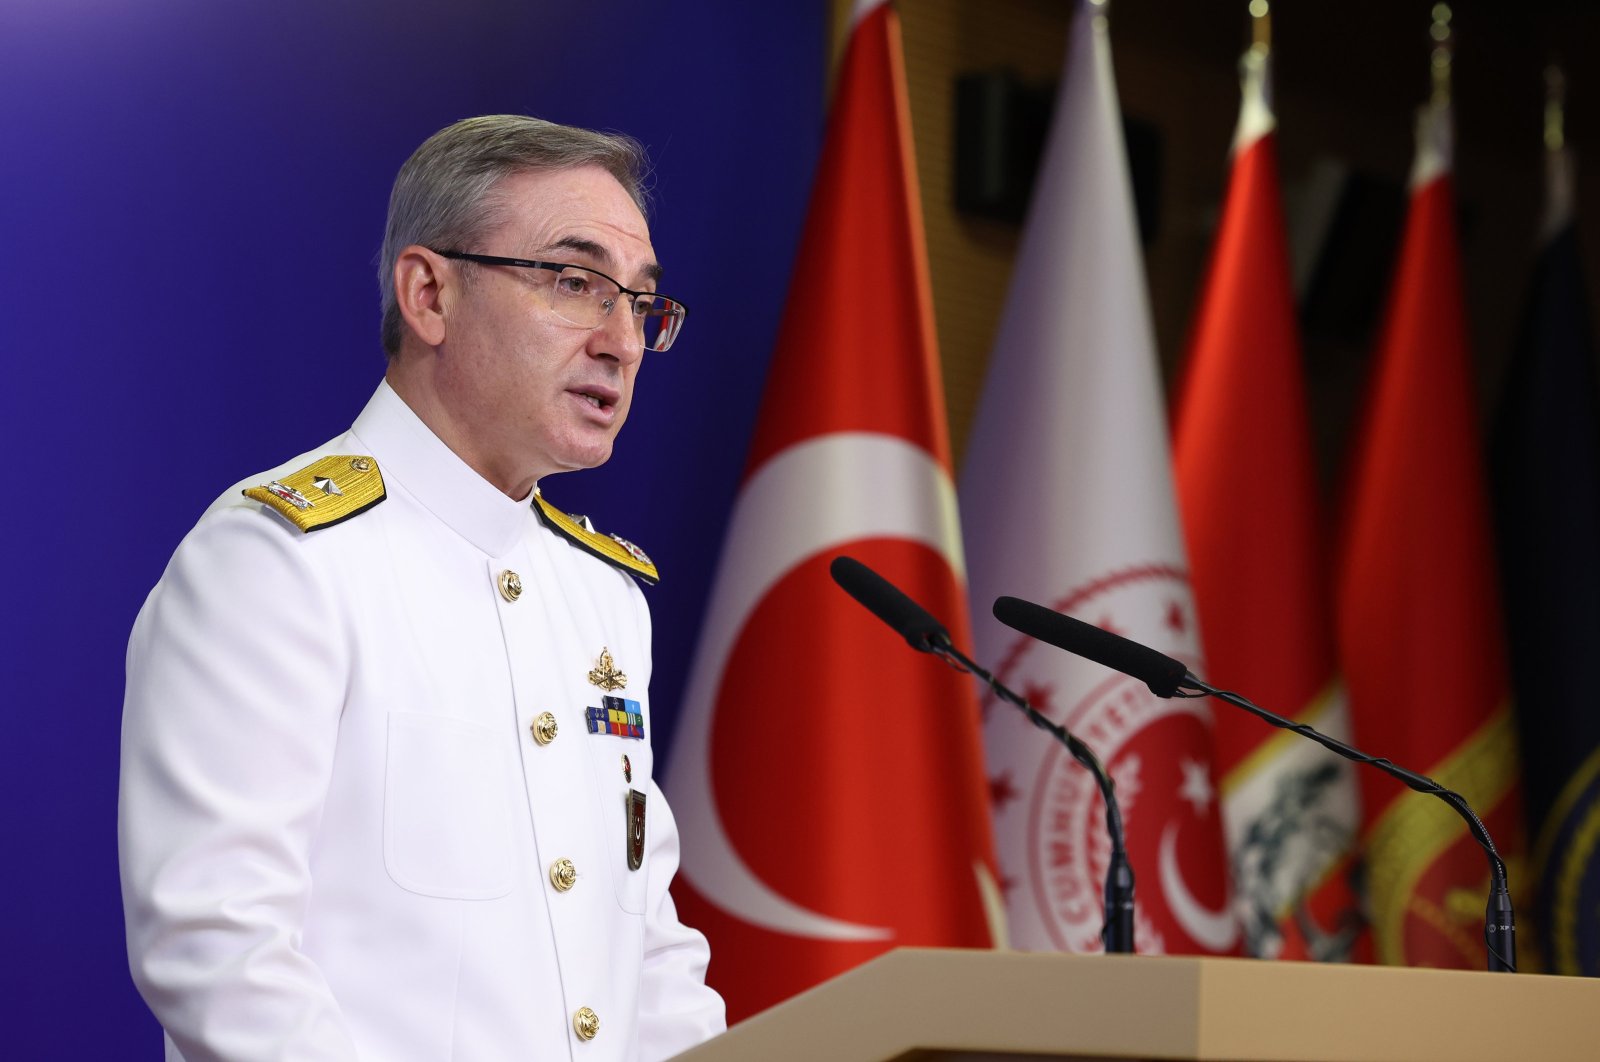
(635, 829)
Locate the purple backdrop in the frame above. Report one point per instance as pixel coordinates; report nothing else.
(193, 194)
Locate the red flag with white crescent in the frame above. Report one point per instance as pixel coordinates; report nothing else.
(828, 781)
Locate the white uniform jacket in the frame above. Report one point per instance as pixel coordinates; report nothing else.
(336, 826)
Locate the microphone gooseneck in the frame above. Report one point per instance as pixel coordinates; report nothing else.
(1499, 921)
(1167, 677)
(927, 635)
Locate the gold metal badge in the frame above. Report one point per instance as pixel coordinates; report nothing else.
(606, 675)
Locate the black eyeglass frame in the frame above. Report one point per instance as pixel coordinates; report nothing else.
(682, 311)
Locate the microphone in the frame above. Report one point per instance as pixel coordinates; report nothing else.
(927, 635)
(886, 601)
(1156, 670)
(1167, 677)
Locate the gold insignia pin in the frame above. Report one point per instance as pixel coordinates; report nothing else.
(606, 674)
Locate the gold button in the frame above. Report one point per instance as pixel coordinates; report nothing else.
(586, 1023)
(563, 874)
(544, 728)
(510, 585)
(361, 464)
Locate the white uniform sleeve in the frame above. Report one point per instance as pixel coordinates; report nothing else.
(677, 1010)
(236, 672)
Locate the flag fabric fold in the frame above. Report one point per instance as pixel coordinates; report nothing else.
(1546, 473)
(828, 780)
(1066, 499)
(1247, 486)
(1417, 610)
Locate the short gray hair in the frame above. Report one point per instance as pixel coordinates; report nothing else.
(444, 194)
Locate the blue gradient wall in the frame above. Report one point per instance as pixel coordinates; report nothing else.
(191, 196)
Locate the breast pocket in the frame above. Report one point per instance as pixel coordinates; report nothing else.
(446, 815)
(621, 769)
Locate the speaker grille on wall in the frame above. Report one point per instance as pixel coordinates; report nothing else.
(1001, 124)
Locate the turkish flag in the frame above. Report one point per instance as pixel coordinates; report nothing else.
(1416, 603)
(828, 780)
(1248, 494)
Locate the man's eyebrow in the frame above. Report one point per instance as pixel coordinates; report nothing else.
(600, 255)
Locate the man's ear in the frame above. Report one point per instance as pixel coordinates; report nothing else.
(420, 279)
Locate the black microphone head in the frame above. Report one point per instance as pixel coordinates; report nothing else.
(886, 601)
(1157, 670)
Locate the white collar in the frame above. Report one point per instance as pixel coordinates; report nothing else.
(409, 453)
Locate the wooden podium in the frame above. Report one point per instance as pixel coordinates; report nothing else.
(926, 1004)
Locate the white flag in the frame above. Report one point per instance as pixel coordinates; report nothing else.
(1067, 500)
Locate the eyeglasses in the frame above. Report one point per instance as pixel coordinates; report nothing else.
(585, 297)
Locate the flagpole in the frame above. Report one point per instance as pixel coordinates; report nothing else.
(1555, 107)
(1260, 27)
(1558, 166)
(1442, 46)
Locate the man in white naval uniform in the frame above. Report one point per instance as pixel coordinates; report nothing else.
(386, 778)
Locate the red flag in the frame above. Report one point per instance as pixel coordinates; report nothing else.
(1417, 608)
(829, 780)
(1247, 490)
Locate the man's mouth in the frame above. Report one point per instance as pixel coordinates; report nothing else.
(601, 398)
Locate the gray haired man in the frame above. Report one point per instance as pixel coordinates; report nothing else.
(386, 769)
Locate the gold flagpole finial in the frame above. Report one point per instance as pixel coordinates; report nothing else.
(1440, 32)
(1260, 27)
(1255, 79)
(1555, 103)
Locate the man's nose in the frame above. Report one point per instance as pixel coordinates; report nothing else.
(620, 335)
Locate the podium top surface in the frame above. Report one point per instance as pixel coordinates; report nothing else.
(931, 1003)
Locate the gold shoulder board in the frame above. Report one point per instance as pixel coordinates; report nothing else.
(610, 548)
(329, 491)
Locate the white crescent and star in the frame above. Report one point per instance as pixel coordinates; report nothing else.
(1196, 788)
(851, 486)
(1213, 930)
